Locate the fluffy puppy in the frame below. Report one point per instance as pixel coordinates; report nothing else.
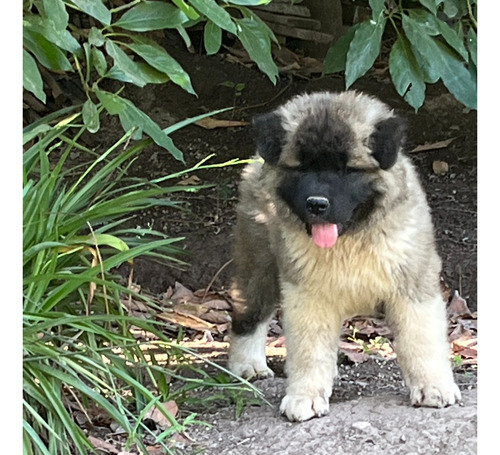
(333, 223)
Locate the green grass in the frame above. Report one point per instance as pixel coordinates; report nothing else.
(78, 349)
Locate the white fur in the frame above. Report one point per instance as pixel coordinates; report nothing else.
(247, 354)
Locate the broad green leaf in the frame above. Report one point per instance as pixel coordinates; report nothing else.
(96, 9)
(32, 80)
(406, 74)
(212, 38)
(187, 9)
(256, 41)
(433, 26)
(215, 13)
(125, 64)
(56, 13)
(148, 16)
(472, 40)
(441, 61)
(453, 39)
(431, 5)
(377, 6)
(147, 73)
(455, 76)
(428, 22)
(98, 61)
(454, 8)
(248, 2)
(90, 116)
(337, 54)
(61, 38)
(249, 14)
(130, 116)
(96, 38)
(159, 59)
(364, 49)
(47, 53)
(413, 34)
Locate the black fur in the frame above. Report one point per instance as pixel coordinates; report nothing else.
(323, 142)
(386, 141)
(350, 195)
(269, 136)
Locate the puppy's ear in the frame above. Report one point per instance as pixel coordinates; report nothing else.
(269, 136)
(386, 140)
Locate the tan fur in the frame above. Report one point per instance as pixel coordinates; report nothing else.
(392, 261)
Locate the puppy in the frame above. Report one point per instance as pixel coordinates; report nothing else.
(334, 223)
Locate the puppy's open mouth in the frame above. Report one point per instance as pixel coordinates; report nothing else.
(325, 235)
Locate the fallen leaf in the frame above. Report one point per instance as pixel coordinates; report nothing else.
(189, 309)
(458, 308)
(192, 180)
(210, 123)
(440, 167)
(189, 321)
(353, 351)
(432, 146)
(103, 445)
(216, 304)
(159, 418)
(181, 292)
(217, 317)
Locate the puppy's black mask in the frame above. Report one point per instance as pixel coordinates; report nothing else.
(322, 189)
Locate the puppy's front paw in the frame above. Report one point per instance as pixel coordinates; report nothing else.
(304, 407)
(251, 370)
(435, 396)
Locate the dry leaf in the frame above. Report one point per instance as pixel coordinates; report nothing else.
(159, 418)
(210, 123)
(353, 352)
(458, 308)
(193, 180)
(432, 146)
(440, 167)
(189, 309)
(216, 304)
(217, 317)
(181, 292)
(103, 445)
(189, 321)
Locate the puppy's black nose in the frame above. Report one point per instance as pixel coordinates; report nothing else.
(317, 205)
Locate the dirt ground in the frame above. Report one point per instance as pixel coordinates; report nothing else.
(452, 196)
(369, 408)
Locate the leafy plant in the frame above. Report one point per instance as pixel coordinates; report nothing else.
(435, 40)
(114, 46)
(79, 348)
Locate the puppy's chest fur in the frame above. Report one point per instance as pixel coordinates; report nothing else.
(354, 276)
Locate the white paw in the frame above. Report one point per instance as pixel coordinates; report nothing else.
(435, 396)
(250, 370)
(304, 407)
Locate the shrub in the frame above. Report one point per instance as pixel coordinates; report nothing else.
(79, 348)
(435, 40)
(116, 47)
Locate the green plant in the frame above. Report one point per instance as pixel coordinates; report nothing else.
(435, 40)
(114, 46)
(79, 351)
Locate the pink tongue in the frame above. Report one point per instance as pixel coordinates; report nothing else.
(324, 235)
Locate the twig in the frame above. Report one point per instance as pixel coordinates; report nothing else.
(212, 281)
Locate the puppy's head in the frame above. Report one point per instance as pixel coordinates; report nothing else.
(329, 148)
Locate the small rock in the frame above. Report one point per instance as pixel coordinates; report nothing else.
(362, 426)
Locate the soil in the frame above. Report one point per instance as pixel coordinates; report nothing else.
(370, 410)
